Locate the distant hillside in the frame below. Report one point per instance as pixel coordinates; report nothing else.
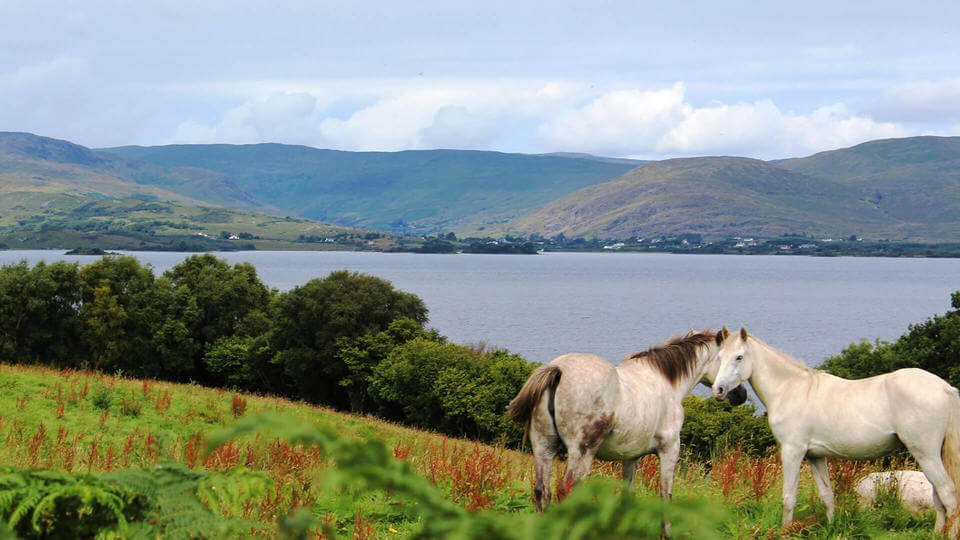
(32, 163)
(713, 196)
(899, 189)
(916, 179)
(412, 191)
(55, 193)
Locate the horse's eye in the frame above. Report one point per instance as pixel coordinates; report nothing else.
(739, 357)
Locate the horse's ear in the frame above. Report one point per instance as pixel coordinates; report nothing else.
(743, 333)
(722, 334)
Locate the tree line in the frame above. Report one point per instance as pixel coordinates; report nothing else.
(349, 341)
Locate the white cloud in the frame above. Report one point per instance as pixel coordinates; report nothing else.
(290, 117)
(392, 116)
(534, 117)
(620, 122)
(662, 123)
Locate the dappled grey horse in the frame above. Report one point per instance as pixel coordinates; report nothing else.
(612, 412)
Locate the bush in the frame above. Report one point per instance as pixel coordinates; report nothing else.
(102, 397)
(451, 388)
(711, 426)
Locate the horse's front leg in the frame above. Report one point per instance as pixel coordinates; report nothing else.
(668, 453)
(791, 458)
(821, 477)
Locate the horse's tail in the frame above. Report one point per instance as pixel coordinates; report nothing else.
(544, 379)
(950, 452)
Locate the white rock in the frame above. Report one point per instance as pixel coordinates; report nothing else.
(914, 489)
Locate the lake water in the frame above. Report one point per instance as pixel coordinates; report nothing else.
(612, 304)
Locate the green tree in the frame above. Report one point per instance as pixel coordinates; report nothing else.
(220, 299)
(361, 355)
(311, 318)
(122, 308)
(244, 359)
(38, 314)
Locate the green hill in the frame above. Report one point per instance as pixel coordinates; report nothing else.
(712, 196)
(412, 191)
(57, 194)
(898, 189)
(914, 180)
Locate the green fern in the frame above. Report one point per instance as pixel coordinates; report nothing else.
(166, 501)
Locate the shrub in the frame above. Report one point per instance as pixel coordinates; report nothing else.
(102, 397)
(711, 426)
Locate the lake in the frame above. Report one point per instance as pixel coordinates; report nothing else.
(613, 304)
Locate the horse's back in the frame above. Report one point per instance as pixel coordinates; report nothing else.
(585, 376)
(586, 396)
(916, 394)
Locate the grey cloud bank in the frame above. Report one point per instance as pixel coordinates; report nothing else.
(614, 78)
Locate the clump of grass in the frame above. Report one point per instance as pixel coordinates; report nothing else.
(130, 405)
(238, 406)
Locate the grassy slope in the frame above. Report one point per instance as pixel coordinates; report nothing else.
(716, 196)
(51, 419)
(425, 190)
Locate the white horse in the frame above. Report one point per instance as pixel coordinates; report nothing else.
(613, 412)
(815, 415)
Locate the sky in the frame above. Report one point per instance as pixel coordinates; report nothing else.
(618, 78)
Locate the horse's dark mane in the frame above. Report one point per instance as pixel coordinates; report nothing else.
(676, 358)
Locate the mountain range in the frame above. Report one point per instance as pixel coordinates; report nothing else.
(418, 191)
(898, 189)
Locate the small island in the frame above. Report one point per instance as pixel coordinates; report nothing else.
(90, 251)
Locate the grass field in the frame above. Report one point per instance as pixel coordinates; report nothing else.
(82, 422)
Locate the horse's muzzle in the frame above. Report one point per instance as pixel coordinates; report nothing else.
(735, 397)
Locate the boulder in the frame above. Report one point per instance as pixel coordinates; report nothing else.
(914, 489)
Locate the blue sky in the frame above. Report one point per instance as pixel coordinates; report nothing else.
(652, 80)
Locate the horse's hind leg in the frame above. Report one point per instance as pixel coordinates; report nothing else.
(582, 448)
(944, 491)
(544, 442)
(941, 511)
(821, 477)
(579, 460)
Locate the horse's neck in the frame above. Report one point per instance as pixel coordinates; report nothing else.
(688, 383)
(684, 385)
(772, 370)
